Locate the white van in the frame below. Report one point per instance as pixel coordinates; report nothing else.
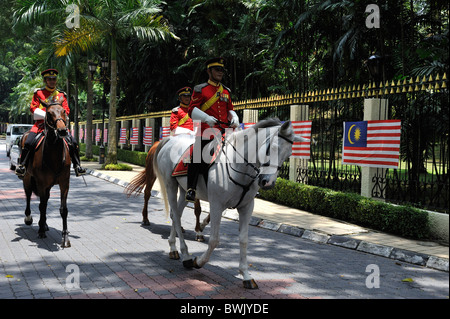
(12, 132)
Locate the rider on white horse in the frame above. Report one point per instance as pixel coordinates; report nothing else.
(210, 104)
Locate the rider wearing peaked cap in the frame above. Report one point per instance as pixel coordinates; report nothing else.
(180, 122)
(49, 93)
(210, 103)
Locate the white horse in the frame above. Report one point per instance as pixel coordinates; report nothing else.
(249, 160)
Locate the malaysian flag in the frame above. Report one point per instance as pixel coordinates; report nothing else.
(372, 143)
(148, 136)
(105, 135)
(123, 136)
(134, 139)
(246, 125)
(97, 135)
(164, 132)
(302, 149)
(81, 134)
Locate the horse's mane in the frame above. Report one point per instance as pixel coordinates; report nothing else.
(269, 122)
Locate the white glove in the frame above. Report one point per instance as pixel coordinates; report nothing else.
(39, 114)
(199, 115)
(233, 118)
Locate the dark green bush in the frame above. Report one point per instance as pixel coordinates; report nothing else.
(400, 220)
(133, 157)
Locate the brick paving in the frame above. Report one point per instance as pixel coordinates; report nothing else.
(114, 257)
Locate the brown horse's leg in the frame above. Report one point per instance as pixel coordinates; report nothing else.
(198, 227)
(28, 192)
(145, 221)
(64, 212)
(150, 180)
(43, 216)
(205, 222)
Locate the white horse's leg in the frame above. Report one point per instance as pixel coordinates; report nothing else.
(215, 216)
(176, 210)
(173, 254)
(245, 213)
(176, 214)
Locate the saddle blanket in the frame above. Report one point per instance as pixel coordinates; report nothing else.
(181, 168)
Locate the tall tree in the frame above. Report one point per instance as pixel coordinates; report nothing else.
(114, 20)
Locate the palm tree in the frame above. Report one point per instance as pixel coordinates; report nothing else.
(114, 20)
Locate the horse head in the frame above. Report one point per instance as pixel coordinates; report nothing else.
(278, 149)
(55, 117)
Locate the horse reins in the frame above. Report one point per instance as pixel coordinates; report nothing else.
(245, 188)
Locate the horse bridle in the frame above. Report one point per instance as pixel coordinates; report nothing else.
(246, 188)
(53, 127)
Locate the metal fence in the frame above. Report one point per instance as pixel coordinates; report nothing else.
(422, 104)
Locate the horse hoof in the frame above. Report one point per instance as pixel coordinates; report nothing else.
(200, 238)
(189, 264)
(250, 284)
(174, 255)
(182, 230)
(145, 223)
(28, 222)
(195, 263)
(65, 244)
(42, 235)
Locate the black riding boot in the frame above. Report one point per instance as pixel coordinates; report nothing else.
(21, 168)
(75, 156)
(192, 178)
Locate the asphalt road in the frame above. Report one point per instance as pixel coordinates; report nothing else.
(113, 256)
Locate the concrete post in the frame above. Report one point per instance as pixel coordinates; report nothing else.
(124, 124)
(150, 122)
(298, 113)
(137, 123)
(165, 122)
(374, 109)
(250, 116)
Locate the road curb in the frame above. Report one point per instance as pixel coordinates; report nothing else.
(410, 257)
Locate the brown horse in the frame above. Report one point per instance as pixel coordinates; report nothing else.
(146, 179)
(49, 166)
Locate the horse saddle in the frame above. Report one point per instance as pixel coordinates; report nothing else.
(181, 168)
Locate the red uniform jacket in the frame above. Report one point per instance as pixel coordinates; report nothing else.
(180, 117)
(214, 100)
(46, 96)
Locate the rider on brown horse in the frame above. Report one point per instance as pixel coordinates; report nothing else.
(48, 94)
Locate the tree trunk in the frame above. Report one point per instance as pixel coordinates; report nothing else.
(90, 96)
(112, 129)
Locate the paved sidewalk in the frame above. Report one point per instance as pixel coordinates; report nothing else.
(316, 228)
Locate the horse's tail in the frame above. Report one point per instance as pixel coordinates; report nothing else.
(159, 176)
(138, 183)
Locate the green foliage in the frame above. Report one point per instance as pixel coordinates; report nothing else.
(400, 220)
(133, 157)
(117, 167)
(137, 158)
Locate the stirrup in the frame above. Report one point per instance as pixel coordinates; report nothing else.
(79, 171)
(190, 195)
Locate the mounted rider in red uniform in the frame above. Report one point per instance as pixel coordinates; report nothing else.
(49, 94)
(180, 121)
(211, 102)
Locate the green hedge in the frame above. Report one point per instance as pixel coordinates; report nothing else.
(399, 220)
(133, 157)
